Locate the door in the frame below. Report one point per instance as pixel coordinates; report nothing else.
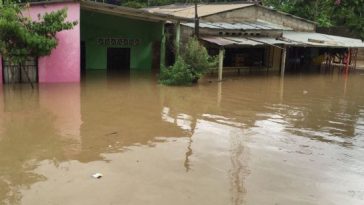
(118, 60)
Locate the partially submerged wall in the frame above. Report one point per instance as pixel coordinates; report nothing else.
(254, 13)
(63, 65)
(97, 26)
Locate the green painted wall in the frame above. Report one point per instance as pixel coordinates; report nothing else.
(96, 25)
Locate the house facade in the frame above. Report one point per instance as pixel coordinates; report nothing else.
(252, 36)
(119, 39)
(107, 37)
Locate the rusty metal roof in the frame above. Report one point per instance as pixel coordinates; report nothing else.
(188, 10)
(244, 25)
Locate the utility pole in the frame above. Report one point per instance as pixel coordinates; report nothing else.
(197, 24)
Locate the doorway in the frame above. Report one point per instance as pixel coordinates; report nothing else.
(118, 60)
(83, 58)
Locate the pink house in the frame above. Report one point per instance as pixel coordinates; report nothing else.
(63, 65)
(81, 47)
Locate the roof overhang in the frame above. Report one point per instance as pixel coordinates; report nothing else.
(241, 26)
(128, 12)
(321, 40)
(289, 38)
(225, 41)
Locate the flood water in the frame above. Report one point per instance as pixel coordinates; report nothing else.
(251, 140)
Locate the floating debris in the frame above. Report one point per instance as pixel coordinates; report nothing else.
(97, 175)
(111, 133)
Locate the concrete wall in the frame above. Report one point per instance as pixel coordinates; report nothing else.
(285, 20)
(254, 13)
(97, 25)
(63, 65)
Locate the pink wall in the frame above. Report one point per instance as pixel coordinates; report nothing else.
(63, 65)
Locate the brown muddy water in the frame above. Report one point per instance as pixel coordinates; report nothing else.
(252, 140)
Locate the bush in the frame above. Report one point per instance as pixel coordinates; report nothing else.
(197, 57)
(193, 62)
(178, 74)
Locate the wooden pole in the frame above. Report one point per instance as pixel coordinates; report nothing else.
(178, 37)
(163, 48)
(221, 63)
(348, 61)
(283, 61)
(197, 23)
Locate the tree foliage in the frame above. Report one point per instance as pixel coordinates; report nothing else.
(21, 37)
(326, 13)
(193, 62)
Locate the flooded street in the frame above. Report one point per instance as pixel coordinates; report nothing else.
(251, 140)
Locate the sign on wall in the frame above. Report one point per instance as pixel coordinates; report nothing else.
(118, 42)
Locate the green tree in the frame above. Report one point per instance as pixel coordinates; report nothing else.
(320, 11)
(193, 62)
(326, 13)
(351, 14)
(21, 37)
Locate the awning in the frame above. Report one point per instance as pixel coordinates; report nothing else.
(321, 40)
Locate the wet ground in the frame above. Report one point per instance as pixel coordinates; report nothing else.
(251, 140)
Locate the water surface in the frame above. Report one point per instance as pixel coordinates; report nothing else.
(248, 140)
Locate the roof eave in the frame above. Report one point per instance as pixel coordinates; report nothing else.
(130, 12)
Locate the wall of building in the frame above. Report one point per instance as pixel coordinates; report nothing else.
(63, 65)
(97, 25)
(285, 20)
(254, 13)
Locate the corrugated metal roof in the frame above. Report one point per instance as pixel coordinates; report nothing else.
(272, 41)
(129, 12)
(322, 40)
(257, 25)
(244, 41)
(188, 10)
(218, 40)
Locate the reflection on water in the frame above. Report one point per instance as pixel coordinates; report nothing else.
(247, 140)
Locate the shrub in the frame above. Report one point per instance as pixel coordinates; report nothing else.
(178, 74)
(196, 56)
(193, 62)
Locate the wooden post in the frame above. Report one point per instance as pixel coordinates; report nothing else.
(178, 37)
(348, 61)
(219, 91)
(221, 63)
(283, 61)
(197, 22)
(163, 48)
